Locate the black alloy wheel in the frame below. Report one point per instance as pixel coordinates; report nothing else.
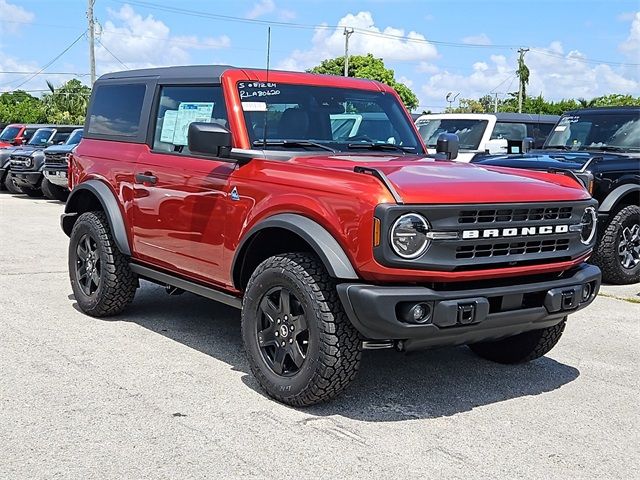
(88, 265)
(282, 331)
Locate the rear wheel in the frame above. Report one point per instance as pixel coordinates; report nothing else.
(54, 192)
(102, 282)
(618, 251)
(301, 347)
(521, 348)
(10, 185)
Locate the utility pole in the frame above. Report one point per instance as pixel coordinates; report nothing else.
(347, 33)
(92, 32)
(495, 103)
(523, 76)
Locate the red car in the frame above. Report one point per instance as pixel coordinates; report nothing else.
(245, 186)
(17, 134)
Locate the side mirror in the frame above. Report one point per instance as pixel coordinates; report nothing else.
(527, 144)
(448, 144)
(210, 139)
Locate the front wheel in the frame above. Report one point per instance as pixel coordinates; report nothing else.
(301, 347)
(102, 282)
(32, 192)
(10, 185)
(520, 348)
(618, 251)
(54, 192)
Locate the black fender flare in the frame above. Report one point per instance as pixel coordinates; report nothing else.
(111, 208)
(323, 243)
(616, 194)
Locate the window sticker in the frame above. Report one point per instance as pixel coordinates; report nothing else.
(254, 106)
(560, 128)
(187, 113)
(257, 89)
(168, 126)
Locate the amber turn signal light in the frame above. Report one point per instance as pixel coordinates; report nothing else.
(376, 231)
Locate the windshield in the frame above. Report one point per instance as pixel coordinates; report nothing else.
(75, 138)
(469, 132)
(316, 117)
(41, 137)
(616, 130)
(9, 133)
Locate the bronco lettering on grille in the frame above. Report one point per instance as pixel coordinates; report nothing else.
(514, 232)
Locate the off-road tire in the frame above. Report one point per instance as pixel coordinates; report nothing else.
(54, 192)
(32, 192)
(10, 186)
(606, 253)
(118, 283)
(334, 345)
(520, 348)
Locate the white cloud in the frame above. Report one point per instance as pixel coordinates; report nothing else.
(141, 42)
(368, 38)
(626, 16)
(553, 73)
(266, 7)
(631, 46)
(15, 15)
(481, 39)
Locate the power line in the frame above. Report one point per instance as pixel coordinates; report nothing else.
(112, 54)
(50, 73)
(48, 64)
(583, 60)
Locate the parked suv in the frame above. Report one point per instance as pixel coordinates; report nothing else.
(485, 132)
(27, 162)
(55, 184)
(17, 134)
(601, 146)
(228, 183)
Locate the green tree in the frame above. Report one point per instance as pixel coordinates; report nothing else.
(367, 66)
(68, 103)
(616, 100)
(19, 106)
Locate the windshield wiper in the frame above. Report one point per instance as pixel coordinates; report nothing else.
(379, 146)
(557, 147)
(292, 143)
(611, 148)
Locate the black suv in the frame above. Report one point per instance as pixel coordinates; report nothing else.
(601, 148)
(55, 183)
(27, 162)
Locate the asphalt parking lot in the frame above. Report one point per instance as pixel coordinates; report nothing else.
(163, 391)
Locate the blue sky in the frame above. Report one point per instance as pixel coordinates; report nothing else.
(578, 48)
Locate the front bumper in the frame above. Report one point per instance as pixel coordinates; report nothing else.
(57, 175)
(27, 179)
(467, 316)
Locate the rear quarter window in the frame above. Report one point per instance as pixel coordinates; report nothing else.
(116, 110)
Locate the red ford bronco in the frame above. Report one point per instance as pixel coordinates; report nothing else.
(247, 187)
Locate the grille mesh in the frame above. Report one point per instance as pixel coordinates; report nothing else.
(514, 215)
(513, 248)
(56, 159)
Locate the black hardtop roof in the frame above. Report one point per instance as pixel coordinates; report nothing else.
(596, 110)
(525, 117)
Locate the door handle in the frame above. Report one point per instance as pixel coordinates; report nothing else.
(146, 177)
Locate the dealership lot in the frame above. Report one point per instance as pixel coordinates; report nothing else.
(164, 391)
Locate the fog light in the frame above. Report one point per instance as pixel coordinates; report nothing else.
(414, 312)
(587, 290)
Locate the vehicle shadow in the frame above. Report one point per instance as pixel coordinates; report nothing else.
(391, 386)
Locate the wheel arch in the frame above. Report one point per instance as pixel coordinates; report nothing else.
(284, 233)
(96, 195)
(623, 195)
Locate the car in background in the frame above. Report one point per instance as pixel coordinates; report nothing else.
(481, 133)
(601, 148)
(55, 183)
(16, 134)
(362, 126)
(27, 162)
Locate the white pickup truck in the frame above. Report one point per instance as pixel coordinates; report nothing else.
(485, 132)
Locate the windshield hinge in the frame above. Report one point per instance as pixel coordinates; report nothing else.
(568, 173)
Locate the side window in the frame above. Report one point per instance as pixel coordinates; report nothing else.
(60, 137)
(510, 131)
(116, 110)
(179, 107)
(28, 133)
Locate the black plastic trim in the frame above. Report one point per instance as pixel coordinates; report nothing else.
(324, 245)
(612, 199)
(383, 178)
(372, 309)
(110, 206)
(187, 285)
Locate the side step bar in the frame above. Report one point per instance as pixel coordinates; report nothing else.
(186, 285)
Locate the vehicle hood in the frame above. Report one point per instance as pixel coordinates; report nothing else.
(550, 159)
(420, 180)
(60, 148)
(26, 150)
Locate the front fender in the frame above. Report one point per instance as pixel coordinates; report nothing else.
(609, 203)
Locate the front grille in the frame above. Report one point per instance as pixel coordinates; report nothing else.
(56, 159)
(513, 248)
(19, 162)
(514, 214)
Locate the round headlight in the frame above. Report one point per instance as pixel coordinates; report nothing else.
(28, 162)
(588, 224)
(409, 235)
